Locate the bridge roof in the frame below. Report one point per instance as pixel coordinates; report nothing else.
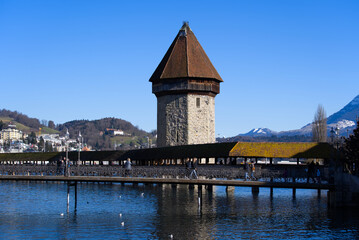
(185, 58)
(236, 149)
(184, 151)
(282, 150)
(214, 150)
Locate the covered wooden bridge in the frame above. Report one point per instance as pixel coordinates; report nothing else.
(233, 153)
(219, 160)
(230, 153)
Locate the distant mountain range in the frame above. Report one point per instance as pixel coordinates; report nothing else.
(93, 131)
(345, 120)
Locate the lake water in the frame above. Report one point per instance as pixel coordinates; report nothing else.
(30, 210)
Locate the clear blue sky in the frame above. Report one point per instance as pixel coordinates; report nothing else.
(67, 60)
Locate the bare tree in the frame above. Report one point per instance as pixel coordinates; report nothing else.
(44, 122)
(319, 125)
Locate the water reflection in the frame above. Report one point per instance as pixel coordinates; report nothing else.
(38, 210)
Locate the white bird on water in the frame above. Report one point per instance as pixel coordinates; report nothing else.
(123, 224)
(120, 214)
(62, 214)
(142, 194)
(171, 236)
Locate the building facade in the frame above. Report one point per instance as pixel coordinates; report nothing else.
(185, 84)
(10, 134)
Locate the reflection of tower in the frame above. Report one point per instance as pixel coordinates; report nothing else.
(178, 206)
(185, 84)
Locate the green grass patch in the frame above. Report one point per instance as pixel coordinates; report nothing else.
(46, 130)
(6, 119)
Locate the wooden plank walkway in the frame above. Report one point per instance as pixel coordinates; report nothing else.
(218, 182)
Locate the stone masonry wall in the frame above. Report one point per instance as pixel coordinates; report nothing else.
(201, 119)
(172, 120)
(180, 121)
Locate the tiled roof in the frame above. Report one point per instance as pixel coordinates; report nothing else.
(185, 59)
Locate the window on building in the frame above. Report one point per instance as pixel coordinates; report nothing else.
(198, 102)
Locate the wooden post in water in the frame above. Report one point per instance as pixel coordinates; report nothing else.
(69, 184)
(255, 190)
(199, 197)
(68, 196)
(75, 194)
(230, 189)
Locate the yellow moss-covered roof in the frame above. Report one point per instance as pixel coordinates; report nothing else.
(282, 150)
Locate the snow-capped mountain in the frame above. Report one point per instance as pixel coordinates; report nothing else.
(350, 112)
(260, 132)
(344, 120)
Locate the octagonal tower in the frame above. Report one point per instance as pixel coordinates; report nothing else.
(185, 84)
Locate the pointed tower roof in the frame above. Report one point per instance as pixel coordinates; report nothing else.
(185, 58)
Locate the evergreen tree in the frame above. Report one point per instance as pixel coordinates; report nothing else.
(48, 147)
(41, 144)
(351, 150)
(32, 138)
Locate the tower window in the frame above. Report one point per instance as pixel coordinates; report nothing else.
(198, 102)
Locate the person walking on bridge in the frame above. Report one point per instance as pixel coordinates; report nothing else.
(67, 167)
(253, 169)
(190, 165)
(128, 167)
(60, 167)
(246, 169)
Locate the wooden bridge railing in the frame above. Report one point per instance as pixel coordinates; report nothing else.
(262, 172)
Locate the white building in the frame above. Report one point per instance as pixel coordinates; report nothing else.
(10, 134)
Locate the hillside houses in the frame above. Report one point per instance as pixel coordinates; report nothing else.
(15, 141)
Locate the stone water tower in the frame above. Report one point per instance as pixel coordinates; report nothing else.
(185, 84)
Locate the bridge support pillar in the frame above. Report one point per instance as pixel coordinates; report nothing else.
(255, 190)
(271, 192)
(199, 197)
(71, 184)
(294, 192)
(209, 188)
(230, 189)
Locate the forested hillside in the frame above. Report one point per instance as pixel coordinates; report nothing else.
(93, 132)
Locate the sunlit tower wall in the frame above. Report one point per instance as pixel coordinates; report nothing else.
(185, 84)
